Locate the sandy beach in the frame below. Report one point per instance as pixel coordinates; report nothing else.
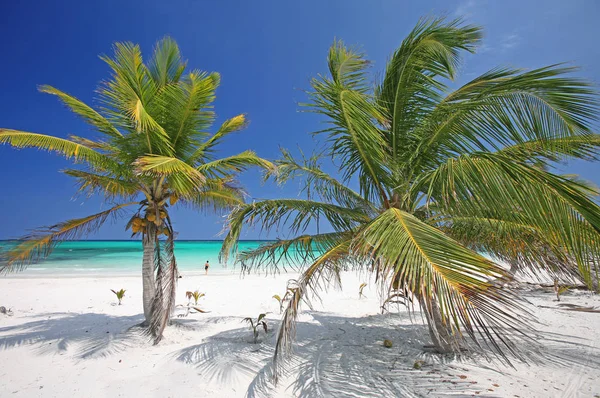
(68, 336)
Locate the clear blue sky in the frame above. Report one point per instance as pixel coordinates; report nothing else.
(266, 52)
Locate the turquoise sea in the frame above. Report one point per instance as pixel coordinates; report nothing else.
(99, 257)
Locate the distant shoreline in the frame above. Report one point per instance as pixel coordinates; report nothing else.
(139, 240)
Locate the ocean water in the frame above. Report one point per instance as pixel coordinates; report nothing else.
(99, 257)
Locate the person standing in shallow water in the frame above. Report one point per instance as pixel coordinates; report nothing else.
(206, 268)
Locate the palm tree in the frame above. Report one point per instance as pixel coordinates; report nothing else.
(442, 176)
(154, 153)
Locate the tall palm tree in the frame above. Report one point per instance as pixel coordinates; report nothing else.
(442, 177)
(154, 153)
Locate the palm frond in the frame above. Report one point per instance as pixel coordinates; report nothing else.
(166, 65)
(411, 86)
(229, 126)
(294, 253)
(86, 112)
(440, 272)
(504, 107)
(97, 145)
(318, 182)
(583, 146)
(188, 110)
(522, 246)
(129, 97)
(69, 149)
(319, 275)
(182, 178)
(110, 187)
(353, 135)
(487, 183)
(234, 164)
(216, 197)
(295, 214)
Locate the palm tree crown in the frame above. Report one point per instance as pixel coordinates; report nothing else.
(155, 152)
(442, 176)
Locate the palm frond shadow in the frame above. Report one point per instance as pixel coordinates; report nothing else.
(341, 362)
(557, 349)
(344, 357)
(350, 360)
(228, 356)
(88, 335)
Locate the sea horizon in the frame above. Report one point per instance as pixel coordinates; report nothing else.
(86, 257)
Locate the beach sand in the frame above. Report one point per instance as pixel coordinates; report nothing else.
(67, 337)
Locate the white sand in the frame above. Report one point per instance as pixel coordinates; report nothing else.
(68, 337)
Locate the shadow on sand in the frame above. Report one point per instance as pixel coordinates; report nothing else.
(90, 335)
(344, 357)
(333, 356)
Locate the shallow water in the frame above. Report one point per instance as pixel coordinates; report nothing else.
(99, 257)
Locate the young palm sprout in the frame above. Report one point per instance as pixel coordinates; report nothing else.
(152, 152)
(441, 177)
(254, 325)
(197, 295)
(360, 290)
(120, 294)
(282, 300)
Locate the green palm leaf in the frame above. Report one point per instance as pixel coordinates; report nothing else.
(410, 89)
(111, 187)
(234, 164)
(69, 149)
(166, 65)
(182, 177)
(229, 126)
(465, 286)
(294, 253)
(87, 113)
(353, 136)
(294, 213)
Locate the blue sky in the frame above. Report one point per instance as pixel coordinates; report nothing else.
(266, 52)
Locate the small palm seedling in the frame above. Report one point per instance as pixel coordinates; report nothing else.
(360, 290)
(196, 295)
(285, 298)
(254, 325)
(280, 301)
(120, 294)
(559, 289)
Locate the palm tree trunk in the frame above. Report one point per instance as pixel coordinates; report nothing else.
(441, 334)
(148, 281)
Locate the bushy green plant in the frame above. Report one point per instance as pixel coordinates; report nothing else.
(120, 294)
(255, 325)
